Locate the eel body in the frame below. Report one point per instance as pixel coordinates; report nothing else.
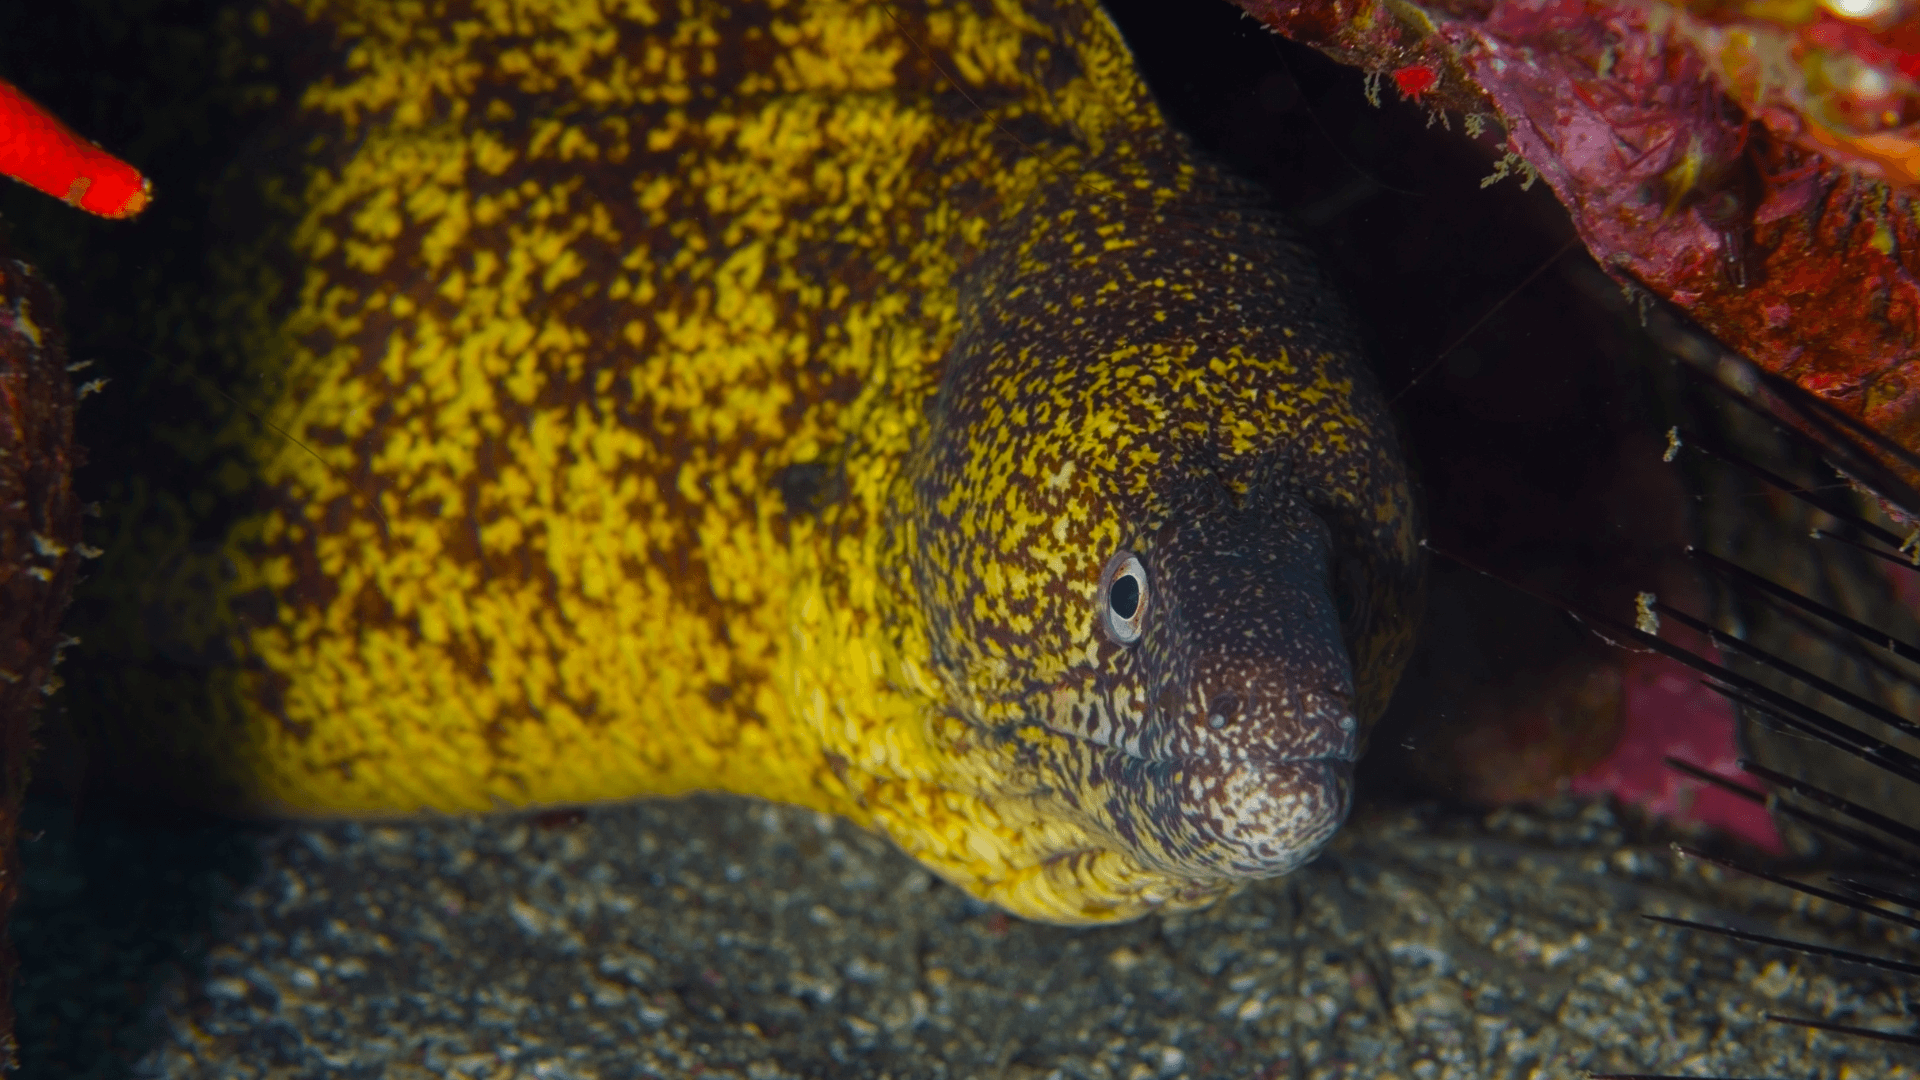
(870, 406)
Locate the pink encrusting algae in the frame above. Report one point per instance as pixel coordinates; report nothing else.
(1666, 712)
(1753, 164)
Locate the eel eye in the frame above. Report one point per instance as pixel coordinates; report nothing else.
(1123, 598)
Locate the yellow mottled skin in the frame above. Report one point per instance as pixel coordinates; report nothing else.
(607, 452)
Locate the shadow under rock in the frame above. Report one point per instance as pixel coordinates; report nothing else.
(115, 904)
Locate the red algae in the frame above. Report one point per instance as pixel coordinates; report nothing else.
(1782, 222)
(1666, 712)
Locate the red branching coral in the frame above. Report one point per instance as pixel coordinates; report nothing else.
(41, 152)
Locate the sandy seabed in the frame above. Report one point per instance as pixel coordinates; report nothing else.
(723, 937)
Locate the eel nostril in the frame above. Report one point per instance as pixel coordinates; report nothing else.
(1225, 709)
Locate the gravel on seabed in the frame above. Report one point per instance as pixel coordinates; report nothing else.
(723, 937)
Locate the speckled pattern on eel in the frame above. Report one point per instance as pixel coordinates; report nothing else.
(766, 397)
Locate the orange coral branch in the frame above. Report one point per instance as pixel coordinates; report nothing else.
(43, 153)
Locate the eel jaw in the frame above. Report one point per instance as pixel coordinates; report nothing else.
(1257, 819)
(1233, 816)
(1217, 812)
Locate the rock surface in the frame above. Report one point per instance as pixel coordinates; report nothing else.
(39, 542)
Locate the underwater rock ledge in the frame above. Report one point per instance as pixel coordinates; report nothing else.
(1751, 204)
(39, 549)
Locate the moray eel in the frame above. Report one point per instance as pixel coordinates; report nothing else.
(871, 406)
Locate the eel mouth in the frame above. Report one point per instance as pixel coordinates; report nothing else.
(1283, 813)
(1313, 726)
(1256, 798)
(1213, 817)
(1246, 818)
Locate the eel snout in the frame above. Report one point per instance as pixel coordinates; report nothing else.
(1250, 728)
(1270, 817)
(1246, 657)
(1261, 812)
(1251, 818)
